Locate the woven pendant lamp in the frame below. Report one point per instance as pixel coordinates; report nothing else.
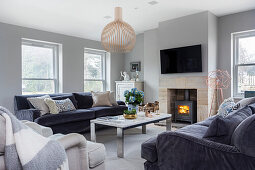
(118, 36)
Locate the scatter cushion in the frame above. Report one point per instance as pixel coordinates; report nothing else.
(101, 99)
(245, 102)
(39, 104)
(65, 105)
(244, 137)
(221, 129)
(84, 100)
(226, 107)
(52, 106)
(71, 97)
(112, 98)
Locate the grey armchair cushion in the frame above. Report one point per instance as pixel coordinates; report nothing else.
(244, 137)
(149, 150)
(221, 129)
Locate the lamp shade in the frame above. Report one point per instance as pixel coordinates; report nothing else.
(118, 36)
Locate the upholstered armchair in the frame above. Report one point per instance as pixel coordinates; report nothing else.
(82, 154)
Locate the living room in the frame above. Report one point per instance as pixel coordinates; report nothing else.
(100, 82)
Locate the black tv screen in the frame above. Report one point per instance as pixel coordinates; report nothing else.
(181, 60)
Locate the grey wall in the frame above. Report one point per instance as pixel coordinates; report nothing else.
(73, 51)
(151, 65)
(137, 54)
(185, 31)
(226, 26)
(194, 29)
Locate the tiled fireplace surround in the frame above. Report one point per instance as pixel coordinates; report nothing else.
(169, 91)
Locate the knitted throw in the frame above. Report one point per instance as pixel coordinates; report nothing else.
(27, 150)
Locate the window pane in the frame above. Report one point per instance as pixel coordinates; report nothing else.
(92, 66)
(37, 62)
(246, 50)
(38, 86)
(93, 86)
(246, 78)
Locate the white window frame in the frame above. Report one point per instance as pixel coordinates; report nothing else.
(235, 52)
(55, 47)
(103, 62)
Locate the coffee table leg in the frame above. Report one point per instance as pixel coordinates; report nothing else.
(120, 143)
(168, 124)
(144, 129)
(93, 132)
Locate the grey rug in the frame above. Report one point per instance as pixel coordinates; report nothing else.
(133, 139)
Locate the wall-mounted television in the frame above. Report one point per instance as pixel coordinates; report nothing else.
(181, 60)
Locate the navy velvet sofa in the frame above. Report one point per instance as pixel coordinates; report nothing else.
(188, 149)
(77, 121)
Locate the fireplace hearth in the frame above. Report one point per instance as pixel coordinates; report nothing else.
(185, 110)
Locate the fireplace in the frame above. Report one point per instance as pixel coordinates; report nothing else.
(185, 110)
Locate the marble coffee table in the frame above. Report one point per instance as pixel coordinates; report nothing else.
(122, 124)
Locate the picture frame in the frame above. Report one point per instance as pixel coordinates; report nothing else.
(135, 66)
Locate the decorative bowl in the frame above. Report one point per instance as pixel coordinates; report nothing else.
(130, 116)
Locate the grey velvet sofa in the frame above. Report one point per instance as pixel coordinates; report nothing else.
(188, 149)
(77, 121)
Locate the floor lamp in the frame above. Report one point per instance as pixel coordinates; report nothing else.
(217, 81)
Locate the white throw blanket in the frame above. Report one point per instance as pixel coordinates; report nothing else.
(27, 150)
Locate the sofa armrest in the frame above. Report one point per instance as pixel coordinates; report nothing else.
(76, 149)
(28, 114)
(121, 103)
(42, 130)
(177, 150)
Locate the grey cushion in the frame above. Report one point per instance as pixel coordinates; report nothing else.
(245, 102)
(70, 96)
(149, 150)
(221, 129)
(207, 121)
(244, 137)
(194, 130)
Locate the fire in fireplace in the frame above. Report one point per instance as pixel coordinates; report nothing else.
(185, 110)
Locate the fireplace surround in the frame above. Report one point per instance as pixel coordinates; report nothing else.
(167, 94)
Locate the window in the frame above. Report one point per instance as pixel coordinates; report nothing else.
(94, 70)
(243, 63)
(39, 67)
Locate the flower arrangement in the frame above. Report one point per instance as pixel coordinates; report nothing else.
(134, 96)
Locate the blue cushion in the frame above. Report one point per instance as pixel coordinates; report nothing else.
(84, 100)
(65, 117)
(221, 129)
(244, 137)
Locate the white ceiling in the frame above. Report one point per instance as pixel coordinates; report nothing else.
(85, 18)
